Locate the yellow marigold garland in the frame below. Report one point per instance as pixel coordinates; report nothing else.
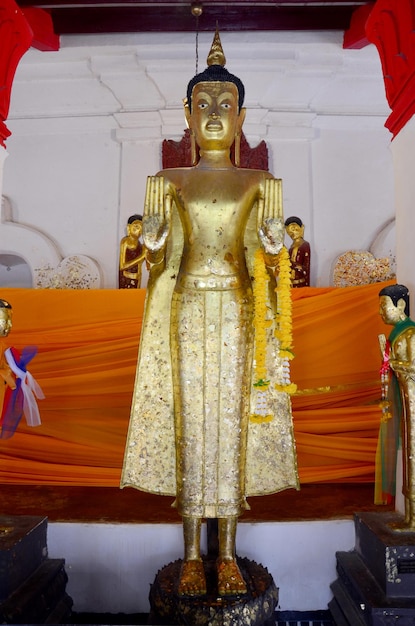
(283, 332)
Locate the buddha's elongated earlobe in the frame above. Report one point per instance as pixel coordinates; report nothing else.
(238, 133)
(237, 156)
(193, 148)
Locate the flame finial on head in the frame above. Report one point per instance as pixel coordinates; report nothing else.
(215, 72)
(216, 55)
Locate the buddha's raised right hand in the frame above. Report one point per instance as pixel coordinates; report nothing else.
(157, 215)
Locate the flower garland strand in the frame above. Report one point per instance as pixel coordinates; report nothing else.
(260, 287)
(284, 330)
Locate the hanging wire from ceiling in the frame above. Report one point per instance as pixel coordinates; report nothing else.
(197, 10)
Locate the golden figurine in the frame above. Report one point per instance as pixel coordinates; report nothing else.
(194, 429)
(399, 356)
(299, 252)
(5, 371)
(132, 255)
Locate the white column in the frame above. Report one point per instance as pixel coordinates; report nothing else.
(403, 152)
(3, 156)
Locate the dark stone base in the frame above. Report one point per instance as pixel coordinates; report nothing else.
(41, 599)
(375, 585)
(256, 608)
(360, 601)
(22, 548)
(32, 586)
(389, 554)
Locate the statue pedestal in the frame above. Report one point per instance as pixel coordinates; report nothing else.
(376, 581)
(32, 586)
(256, 608)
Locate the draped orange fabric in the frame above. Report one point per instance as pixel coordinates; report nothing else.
(87, 352)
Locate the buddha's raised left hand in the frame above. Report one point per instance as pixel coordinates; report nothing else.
(270, 220)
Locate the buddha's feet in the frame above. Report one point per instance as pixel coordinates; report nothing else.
(230, 579)
(192, 579)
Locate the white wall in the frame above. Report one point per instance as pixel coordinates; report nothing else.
(87, 124)
(111, 566)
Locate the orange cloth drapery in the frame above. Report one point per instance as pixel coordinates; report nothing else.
(87, 352)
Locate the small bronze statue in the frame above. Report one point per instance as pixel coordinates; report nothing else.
(132, 255)
(299, 252)
(399, 359)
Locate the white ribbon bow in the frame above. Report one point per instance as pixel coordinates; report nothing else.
(31, 390)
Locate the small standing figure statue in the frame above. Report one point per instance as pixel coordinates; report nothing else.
(132, 255)
(299, 252)
(399, 360)
(18, 389)
(194, 430)
(7, 379)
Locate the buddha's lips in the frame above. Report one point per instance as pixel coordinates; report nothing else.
(214, 126)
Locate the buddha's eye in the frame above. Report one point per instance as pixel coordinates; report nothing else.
(202, 105)
(226, 105)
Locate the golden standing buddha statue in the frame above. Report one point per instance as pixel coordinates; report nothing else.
(194, 430)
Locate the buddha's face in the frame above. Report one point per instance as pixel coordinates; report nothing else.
(294, 231)
(5, 321)
(215, 118)
(390, 313)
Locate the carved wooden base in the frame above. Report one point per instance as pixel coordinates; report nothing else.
(256, 608)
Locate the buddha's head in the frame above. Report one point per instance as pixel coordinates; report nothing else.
(213, 106)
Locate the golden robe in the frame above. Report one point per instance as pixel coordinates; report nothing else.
(216, 475)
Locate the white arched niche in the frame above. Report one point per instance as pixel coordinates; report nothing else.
(23, 249)
(29, 258)
(14, 271)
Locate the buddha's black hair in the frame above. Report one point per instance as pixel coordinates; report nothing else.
(217, 74)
